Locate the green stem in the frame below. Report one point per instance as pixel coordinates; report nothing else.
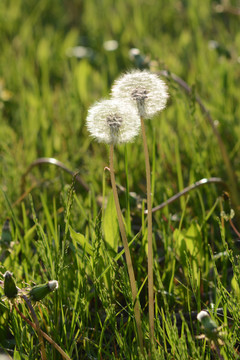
(150, 245)
(127, 252)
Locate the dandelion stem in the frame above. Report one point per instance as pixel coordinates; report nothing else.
(127, 251)
(150, 246)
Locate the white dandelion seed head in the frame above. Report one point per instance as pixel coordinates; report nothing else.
(113, 121)
(145, 90)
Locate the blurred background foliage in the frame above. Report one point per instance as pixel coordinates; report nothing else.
(59, 57)
(51, 83)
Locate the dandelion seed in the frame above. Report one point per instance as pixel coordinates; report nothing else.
(113, 121)
(145, 90)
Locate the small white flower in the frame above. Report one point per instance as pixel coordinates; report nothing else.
(113, 121)
(145, 90)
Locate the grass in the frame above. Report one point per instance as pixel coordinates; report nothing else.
(60, 229)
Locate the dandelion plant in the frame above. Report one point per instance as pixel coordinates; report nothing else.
(149, 95)
(38, 292)
(114, 122)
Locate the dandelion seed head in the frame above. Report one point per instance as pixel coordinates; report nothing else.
(144, 90)
(113, 121)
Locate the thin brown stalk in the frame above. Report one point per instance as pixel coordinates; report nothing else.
(234, 228)
(127, 252)
(218, 350)
(150, 245)
(35, 319)
(48, 338)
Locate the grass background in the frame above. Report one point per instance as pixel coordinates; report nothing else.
(60, 231)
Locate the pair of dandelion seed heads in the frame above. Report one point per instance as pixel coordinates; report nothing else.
(134, 95)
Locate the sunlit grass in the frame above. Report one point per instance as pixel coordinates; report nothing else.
(58, 227)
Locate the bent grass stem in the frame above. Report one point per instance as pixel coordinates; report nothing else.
(127, 251)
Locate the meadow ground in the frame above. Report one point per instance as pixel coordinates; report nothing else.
(56, 59)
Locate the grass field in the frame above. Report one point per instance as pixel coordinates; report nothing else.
(55, 62)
